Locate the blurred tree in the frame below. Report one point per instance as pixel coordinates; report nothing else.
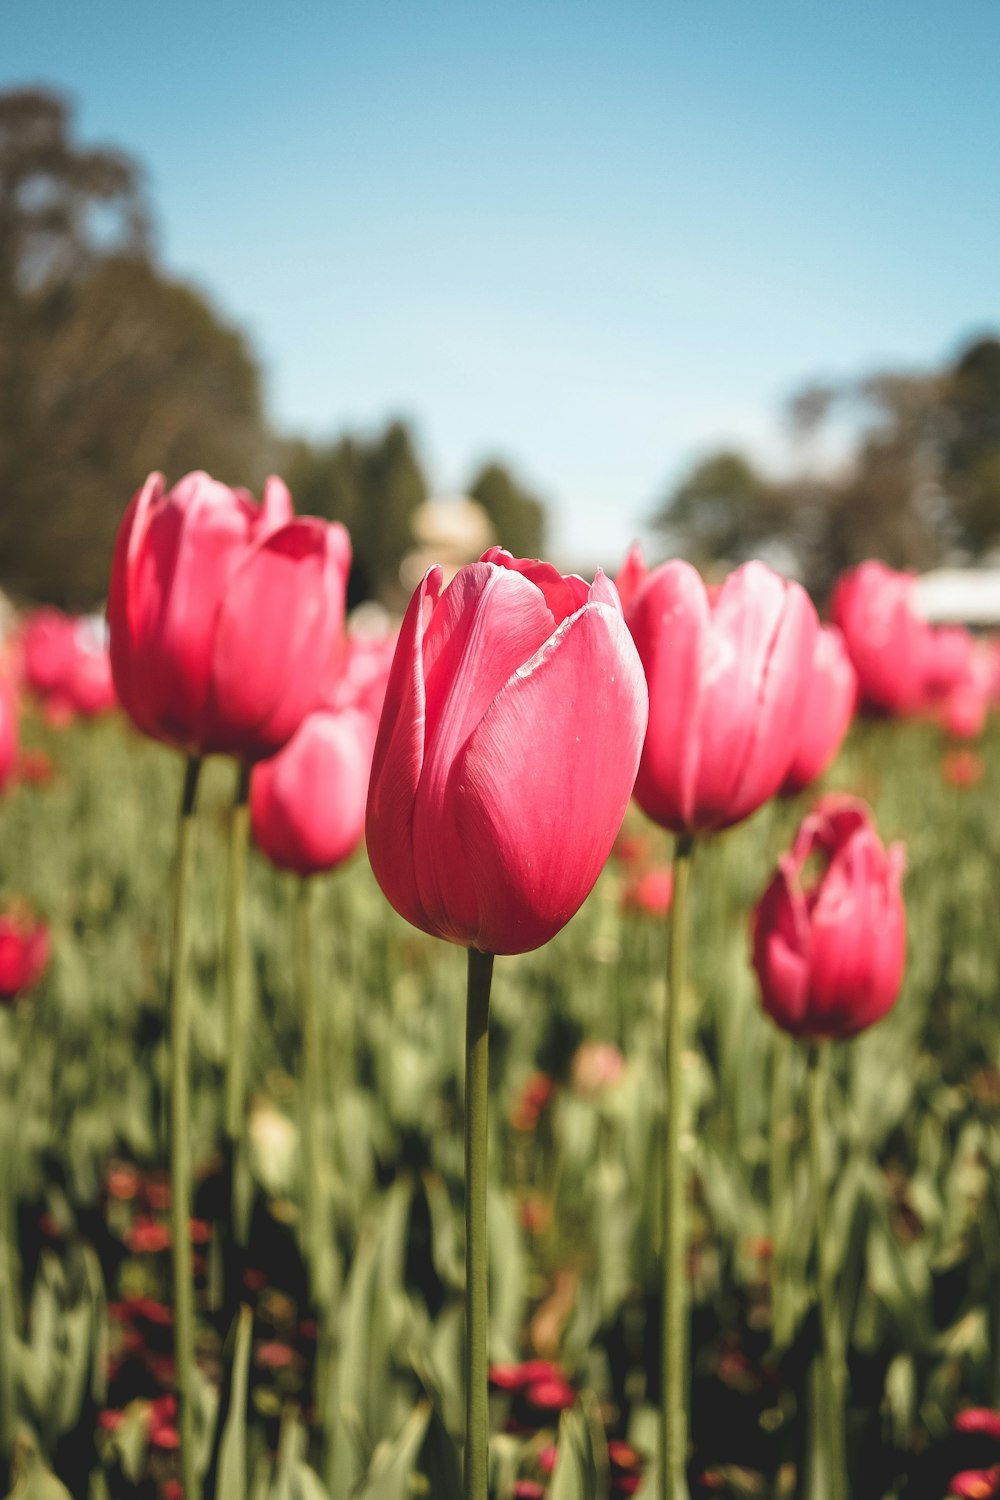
(373, 485)
(971, 470)
(518, 516)
(107, 369)
(920, 481)
(725, 510)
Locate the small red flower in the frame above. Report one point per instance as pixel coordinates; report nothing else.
(975, 1484)
(979, 1419)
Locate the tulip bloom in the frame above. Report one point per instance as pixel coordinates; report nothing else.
(8, 732)
(889, 643)
(827, 710)
(829, 953)
(224, 617)
(24, 955)
(506, 752)
(727, 676)
(307, 803)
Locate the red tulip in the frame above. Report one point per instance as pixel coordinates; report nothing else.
(650, 892)
(726, 682)
(307, 803)
(829, 953)
(962, 768)
(224, 618)
(975, 1484)
(887, 640)
(46, 650)
(506, 753)
(826, 711)
(8, 732)
(24, 954)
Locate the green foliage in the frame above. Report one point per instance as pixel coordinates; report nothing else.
(915, 1153)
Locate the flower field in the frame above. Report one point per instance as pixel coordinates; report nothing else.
(344, 1377)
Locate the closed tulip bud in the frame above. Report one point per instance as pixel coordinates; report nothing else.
(8, 732)
(827, 709)
(224, 617)
(24, 954)
(506, 752)
(726, 680)
(886, 638)
(829, 949)
(307, 803)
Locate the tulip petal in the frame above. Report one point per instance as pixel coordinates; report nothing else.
(488, 623)
(544, 783)
(399, 757)
(193, 541)
(563, 595)
(308, 801)
(266, 678)
(669, 621)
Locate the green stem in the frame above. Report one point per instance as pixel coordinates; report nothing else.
(237, 987)
(781, 1309)
(8, 1299)
(833, 1375)
(673, 1413)
(311, 1063)
(477, 1017)
(180, 1127)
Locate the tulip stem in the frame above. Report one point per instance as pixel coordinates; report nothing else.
(180, 1126)
(238, 990)
(673, 1401)
(311, 1063)
(781, 1309)
(237, 1028)
(476, 1242)
(832, 1376)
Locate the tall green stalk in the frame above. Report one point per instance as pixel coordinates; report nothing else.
(779, 1184)
(674, 1394)
(180, 1128)
(8, 1297)
(833, 1374)
(237, 986)
(309, 1126)
(477, 1017)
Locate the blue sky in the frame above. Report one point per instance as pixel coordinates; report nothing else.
(594, 239)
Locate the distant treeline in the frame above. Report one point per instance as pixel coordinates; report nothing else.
(109, 368)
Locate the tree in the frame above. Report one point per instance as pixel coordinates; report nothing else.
(971, 469)
(518, 516)
(373, 485)
(725, 510)
(107, 368)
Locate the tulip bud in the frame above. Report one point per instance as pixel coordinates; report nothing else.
(8, 732)
(24, 954)
(224, 617)
(506, 752)
(829, 950)
(889, 643)
(307, 803)
(828, 706)
(726, 679)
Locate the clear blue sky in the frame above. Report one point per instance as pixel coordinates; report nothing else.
(591, 238)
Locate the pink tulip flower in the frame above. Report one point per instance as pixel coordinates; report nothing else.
(829, 951)
(225, 617)
(307, 803)
(506, 753)
(827, 709)
(726, 676)
(24, 954)
(8, 732)
(889, 643)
